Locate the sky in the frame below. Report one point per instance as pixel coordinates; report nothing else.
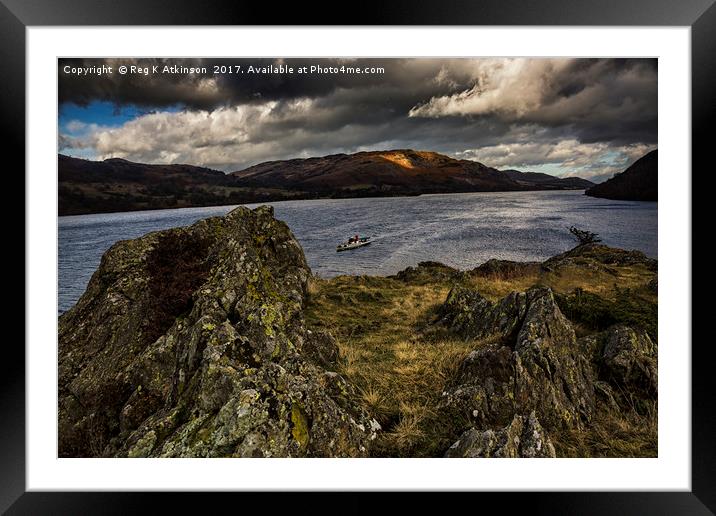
(567, 117)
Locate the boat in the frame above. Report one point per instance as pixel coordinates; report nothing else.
(353, 243)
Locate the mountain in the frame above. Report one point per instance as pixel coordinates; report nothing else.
(557, 183)
(639, 182)
(116, 170)
(400, 172)
(600, 178)
(397, 172)
(120, 185)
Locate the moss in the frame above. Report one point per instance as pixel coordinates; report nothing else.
(273, 305)
(203, 435)
(168, 424)
(143, 447)
(598, 313)
(252, 292)
(269, 317)
(299, 425)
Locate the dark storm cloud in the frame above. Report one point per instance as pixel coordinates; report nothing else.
(162, 90)
(513, 108)
(598, 99)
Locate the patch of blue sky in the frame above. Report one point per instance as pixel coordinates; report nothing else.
(75, 120)
(553, 169)
(613, 157)
(88, 153)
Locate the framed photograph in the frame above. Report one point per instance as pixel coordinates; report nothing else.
(443, 248)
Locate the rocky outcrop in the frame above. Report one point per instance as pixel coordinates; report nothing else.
(625, 358)
(191, 342)
(504, 269)
(600, 257)
(527, 360)
(523, 437)
(428, 272)
(530, 363)
(471, 315)
(629, 360)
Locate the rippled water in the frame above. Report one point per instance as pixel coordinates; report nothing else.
(462, 230)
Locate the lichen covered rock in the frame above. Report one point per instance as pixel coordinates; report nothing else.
(428, 272)
(531, 362)
(472, 316)
(625, 358)
(189, 343)
(322, 348)
(523, 437)
(630, 359)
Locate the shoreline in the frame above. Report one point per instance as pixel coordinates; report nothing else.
(309, 198)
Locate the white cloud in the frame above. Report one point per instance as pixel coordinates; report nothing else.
(569, 157)
(212, 138)
(75, 126)
(511, 86)
(227, 138)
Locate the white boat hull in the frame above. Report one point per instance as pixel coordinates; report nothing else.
(348, 247)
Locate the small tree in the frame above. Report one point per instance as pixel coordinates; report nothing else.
(584, 237)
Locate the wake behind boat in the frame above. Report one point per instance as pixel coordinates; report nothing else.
(353, 243)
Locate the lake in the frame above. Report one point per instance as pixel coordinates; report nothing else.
(461, 230)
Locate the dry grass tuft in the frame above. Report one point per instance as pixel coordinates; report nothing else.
(613, 434)
(494, 287)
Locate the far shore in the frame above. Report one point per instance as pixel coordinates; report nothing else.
(302, 198)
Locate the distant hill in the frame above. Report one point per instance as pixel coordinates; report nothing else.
(401, 172)
(639, 182)
(116, 170)
(557, 183)
(397, 172)
(121, 185)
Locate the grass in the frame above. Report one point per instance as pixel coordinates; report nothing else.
(630, 434)
(596, 313)
(494, 287)
(400, 363)
(606, 284)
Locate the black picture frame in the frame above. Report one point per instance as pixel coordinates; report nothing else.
(700, 15)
